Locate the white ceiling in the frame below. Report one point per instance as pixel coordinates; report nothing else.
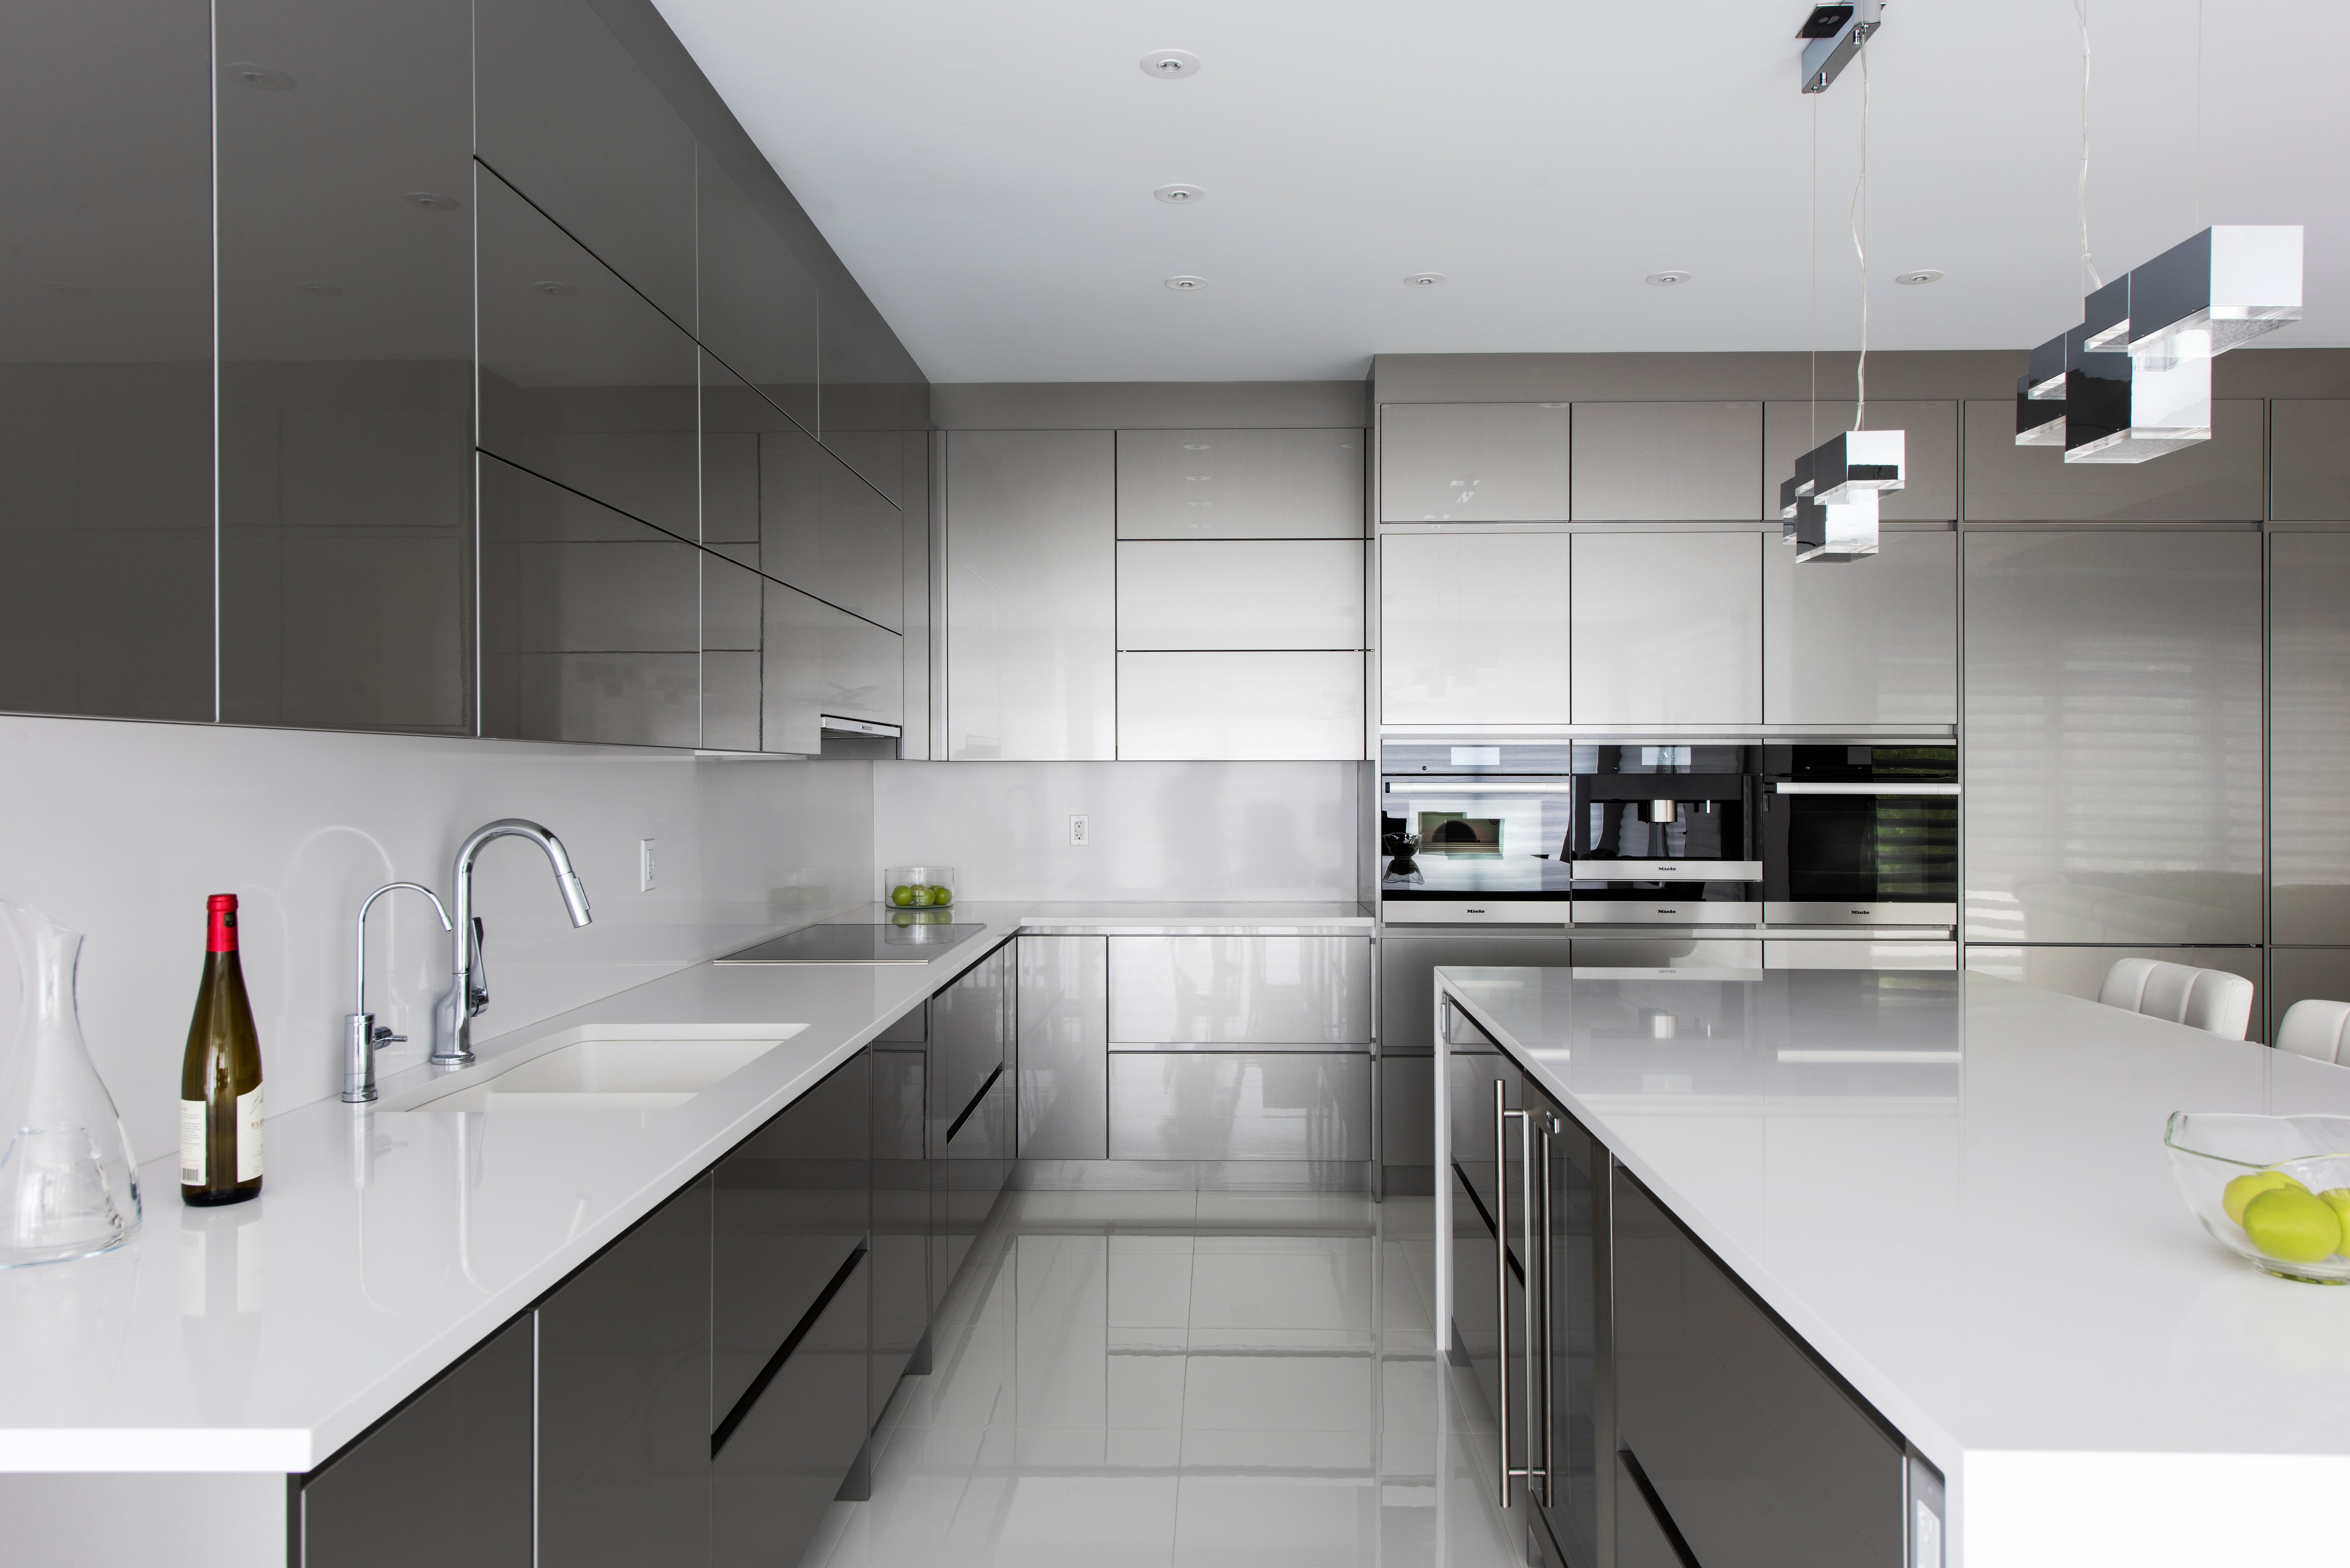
(986, 171)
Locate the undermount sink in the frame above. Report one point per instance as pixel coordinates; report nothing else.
(600, 1072)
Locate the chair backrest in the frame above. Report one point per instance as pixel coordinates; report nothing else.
(2315, 1029)
(2210, 1000)
(2126, 983)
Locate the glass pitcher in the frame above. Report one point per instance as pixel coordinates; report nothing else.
(69, 1185)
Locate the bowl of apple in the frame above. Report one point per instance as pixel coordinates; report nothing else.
(2275, 1190)
(918, 886)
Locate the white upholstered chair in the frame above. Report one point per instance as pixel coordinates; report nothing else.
(2210, 1000)
(2318, 1030)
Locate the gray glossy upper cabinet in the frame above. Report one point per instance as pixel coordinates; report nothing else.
(1873, 642)
(1473, 628)
(826, 532)
(1650, 462)
(1239, 990)
(1666, 628)
(346, 391)
(2309, 737)
(1240, 594)
(816, 659)
(917, 648)
(582, 381)
(2309, 459)
(1929, 490)
(566, 116)
(871, 393)
(1473, 462)
(758, 304)
(1239, 485)
(591, 621)
(1064, 1047)
(1254, 706)
(105, 360)
(1031, 594)
(2112, 714)
(2211, 482)
(732, 635)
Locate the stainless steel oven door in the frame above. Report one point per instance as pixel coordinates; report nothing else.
(1473, 849)
(1856, 854)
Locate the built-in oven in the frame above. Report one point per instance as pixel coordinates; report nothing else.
(1860, 835)
(1664, 835)
(1470, 835)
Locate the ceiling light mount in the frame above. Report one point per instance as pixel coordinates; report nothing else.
(1180, 195)
(1425, 280)
(431, 201)
(260, 77)
(1171, 65)
(1833, 36)
(1666, 279)
(1185, 282)
(1921, 275)
(551, 286)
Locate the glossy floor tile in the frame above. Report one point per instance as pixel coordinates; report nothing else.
(1171, 1380)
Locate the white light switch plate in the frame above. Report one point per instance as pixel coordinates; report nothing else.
(644, 865)
(1078, 833)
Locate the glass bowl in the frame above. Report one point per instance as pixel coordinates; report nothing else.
(918, 887)
(2210, 1150)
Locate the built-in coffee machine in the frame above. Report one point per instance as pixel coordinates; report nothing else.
(1665, 835)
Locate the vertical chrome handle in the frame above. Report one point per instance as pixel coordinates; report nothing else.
(1501, 1274)
(1537, 1297)
(1542, 1380)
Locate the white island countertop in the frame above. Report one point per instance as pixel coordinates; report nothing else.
(265, 1335)
(1954, 1187)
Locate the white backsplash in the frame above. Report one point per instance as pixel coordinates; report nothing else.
(120, 830)
(1175, 831)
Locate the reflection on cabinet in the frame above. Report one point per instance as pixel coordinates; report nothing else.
(972, 1065)
(1239, 485)
(1836, 954)
(900, 1244)
(1255, 594)
(1643, 463)
(818, 660)
(1666, 628)
(1473, 627)
(1064, 1048)
(1473, 462)
(2083, 826)
(1873, 642)
(828, 533)
(465, 1443)
(2309, 459)
(2297, 974)
(2309, 737)
(1031, 594)
(731, 600)
(757, 305)
(106, 373)
(2214, 481)
(1240, 707)
(1929, 458)
(2081, 970)
(1234, 990)
(1240, 1106)
(779, 1468)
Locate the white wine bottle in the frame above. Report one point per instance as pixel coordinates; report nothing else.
(219, 1077)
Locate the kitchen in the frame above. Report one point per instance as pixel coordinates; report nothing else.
(1057, 769)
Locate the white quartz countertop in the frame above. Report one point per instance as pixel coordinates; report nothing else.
(385, 1244)
(1954, 1187)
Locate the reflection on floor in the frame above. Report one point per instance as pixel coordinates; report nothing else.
(1211, 1380)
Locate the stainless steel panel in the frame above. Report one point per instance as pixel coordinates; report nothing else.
(2297, 974)
(2214, 481)
(2309, 459)
(2113, 768)
(1240, 1106)
(826, 532)
(1031, 569)
(1666, 629)
(1782, 913)
(1667, 870)
(1868, 642)
(1930, 490)
(815, 660)
(1649, 463)
(863, 669)
(1064, 1048)
(1408, 962)
(1240, 594)
(2081, 970)
(2309, 737)
(1473, 462)
(1836, 954)
(1473, 629)
(730, 701)
(1678, 912)
(1667, 952)
(1240, 706)
(1239, 485)
(1466, 912)
(1229, 991)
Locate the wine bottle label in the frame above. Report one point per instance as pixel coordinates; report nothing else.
(191, 1143)
(248, 1135)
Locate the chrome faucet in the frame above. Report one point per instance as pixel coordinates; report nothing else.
(452, 1018)
(360, 1037)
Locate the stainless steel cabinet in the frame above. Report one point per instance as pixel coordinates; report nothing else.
(1473, 462)
(818, 660)
(1239, 485)
(1064, 1098)
(758, 304)
(1649, 463)
(2113, 712)
(2309, 737)
(2309, 459)
(1240, 1106)
(2213, 482)
(775, 1471)
(1473, 628)
(1929, 490)
(826, 532)
(1254, 594)
(1185, 707)
(1229, 991)
(1666, 629)
(1869, 642)
(731, 595)
(1031, 568)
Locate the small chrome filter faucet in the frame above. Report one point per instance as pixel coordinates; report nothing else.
(360, 1037)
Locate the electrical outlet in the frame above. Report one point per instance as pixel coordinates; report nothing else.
(1078, 833)
(644, 865)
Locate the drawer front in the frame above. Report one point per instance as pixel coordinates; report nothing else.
(1240, 1106)
(967, 1040)
(777, 1470)
(1239, 990)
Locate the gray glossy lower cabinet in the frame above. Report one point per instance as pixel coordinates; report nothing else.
(779, 1466)
(1240, 1106)
(900, 1241)
(970, 1138)
(1064, 1047)
(1233, 990)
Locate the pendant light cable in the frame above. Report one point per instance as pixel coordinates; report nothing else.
(2199, 114)
(1859, 216)
(1815, 271)
(2088, 262)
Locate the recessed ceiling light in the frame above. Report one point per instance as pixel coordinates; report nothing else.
(1184, 281)
(551, 286)
(1169, 64)
(1666, 279)
(1923, 274)
(76, 289)
(1180, 195)
(1424, 279)
(328, 289)
(431, 201)
(261, 79)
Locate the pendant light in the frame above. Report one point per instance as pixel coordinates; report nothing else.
(2214, 292)
(2120, 409)
(2040, 395)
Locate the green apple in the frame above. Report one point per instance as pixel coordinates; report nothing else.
(2338, 1200)
(2294, 1224)
(2244, 1188)
(918, 895)
(941, 896)
(902, 894)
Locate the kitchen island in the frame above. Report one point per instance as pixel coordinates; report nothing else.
(1951, 1195)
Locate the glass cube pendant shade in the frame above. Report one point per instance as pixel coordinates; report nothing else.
(1837, 531)
(2040, 395)
(2121, 410)
(1853, 461)
(2210, 293)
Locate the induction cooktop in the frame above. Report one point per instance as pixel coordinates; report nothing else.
(918, 942)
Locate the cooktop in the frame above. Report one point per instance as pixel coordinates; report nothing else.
(919, 942)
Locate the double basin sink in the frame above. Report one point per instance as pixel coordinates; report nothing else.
(599, 1069)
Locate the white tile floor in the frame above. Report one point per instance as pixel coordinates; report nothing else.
(1180, 1380)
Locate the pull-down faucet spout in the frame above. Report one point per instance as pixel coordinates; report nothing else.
(468, 994)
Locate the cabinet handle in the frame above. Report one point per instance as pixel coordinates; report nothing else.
(1501, 1114)
(1540, 1377)
(1537, 1297)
